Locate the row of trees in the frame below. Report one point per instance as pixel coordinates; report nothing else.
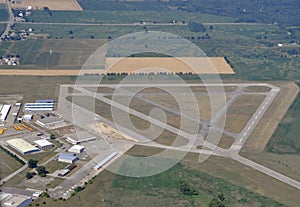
(12, 155)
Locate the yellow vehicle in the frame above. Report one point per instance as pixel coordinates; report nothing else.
(27, 127)
(2, 130)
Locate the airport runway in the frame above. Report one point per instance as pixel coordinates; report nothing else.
(232, 153)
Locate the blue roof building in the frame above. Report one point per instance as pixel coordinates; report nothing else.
(68, 158)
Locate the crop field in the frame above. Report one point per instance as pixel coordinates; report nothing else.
(60, 54)
(125, 16)
(205, 65)
(3, 11)
(51, 4)
(7, 164)
(243, 186)
(251, 49)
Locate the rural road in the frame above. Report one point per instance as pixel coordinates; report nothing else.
(128, 24)
(10, 21)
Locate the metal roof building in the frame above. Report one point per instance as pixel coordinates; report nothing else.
(44, 144)
(103, 162)
(45, 101)
(22, 146)
(49, 121)
(76, 149)
(39, 106)
(79, 137)
(68, 158)
(12, 200)
(4, 112)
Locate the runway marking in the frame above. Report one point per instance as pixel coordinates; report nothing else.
(256, 117)
(245, 134)
(248, 128)
(252, 122)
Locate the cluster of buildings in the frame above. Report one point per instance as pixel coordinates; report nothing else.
(10, 60)
(25, 147)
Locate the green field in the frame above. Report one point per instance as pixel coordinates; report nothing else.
(286, 137)
(3, 13)
(7, 164)
(123, 16)
(251, 49)
(243, 186)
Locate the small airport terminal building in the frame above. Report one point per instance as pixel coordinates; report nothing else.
(22, 146)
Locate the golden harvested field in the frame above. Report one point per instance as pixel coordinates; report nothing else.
(195, 65)
(51, 4)
(66, 51)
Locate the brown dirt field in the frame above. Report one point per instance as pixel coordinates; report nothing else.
(51, 4)
(269, 122)
(241, 111)
(114, 133)
(211, 65)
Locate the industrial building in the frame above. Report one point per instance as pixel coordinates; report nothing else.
(51, 121)
(22, 146)
(68, 158)
(13, 200)
(45, 101)
(4, 110)
(63, 172)
(80, 137)
(39, 106)
(76, 149)
(44, 144)
(103, 162)
(27, 117)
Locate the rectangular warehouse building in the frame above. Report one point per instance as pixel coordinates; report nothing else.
(44, 144)
(76, 149)
(45, 101)
(68, 158)
(106, 160)
(4, 112)
(39, 106)
(80, 137)
(48, 122)
(22, 146)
